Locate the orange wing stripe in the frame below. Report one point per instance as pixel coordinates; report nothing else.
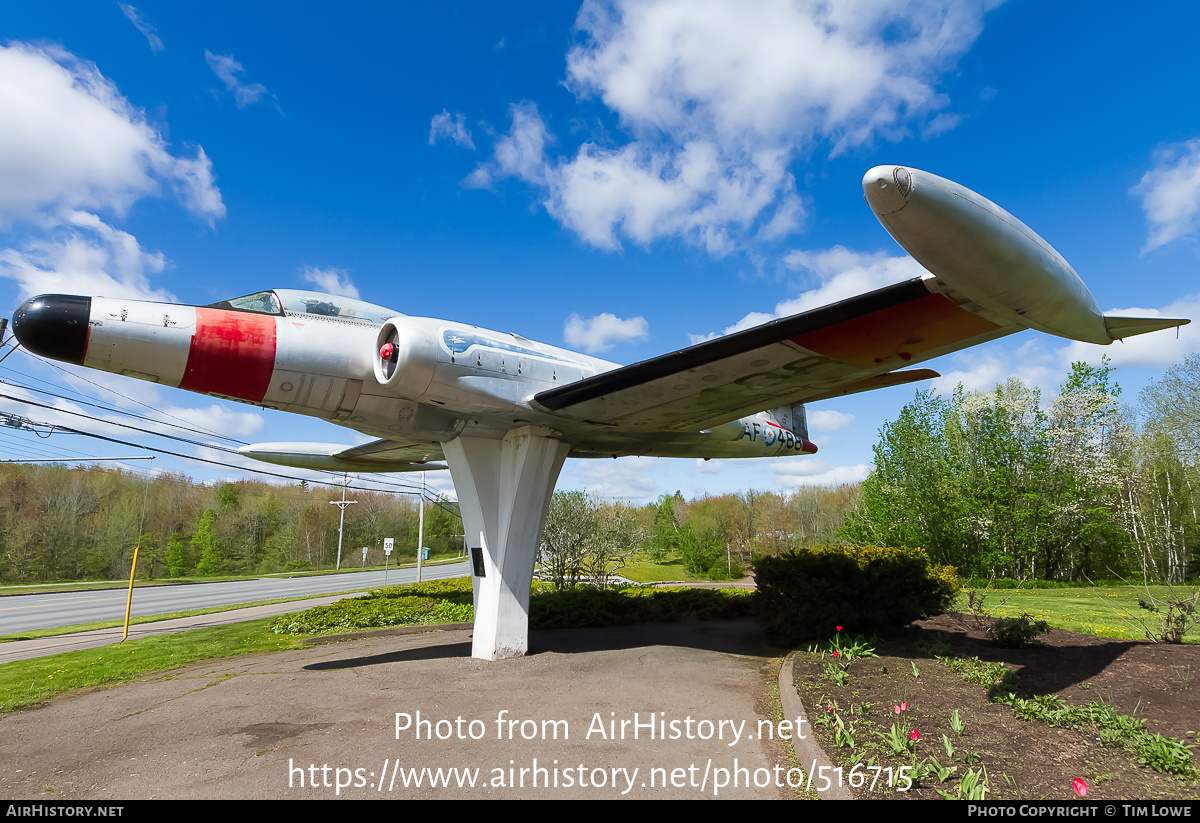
(897, 333)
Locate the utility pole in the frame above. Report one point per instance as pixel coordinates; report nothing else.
(421, 529)
(342, 504)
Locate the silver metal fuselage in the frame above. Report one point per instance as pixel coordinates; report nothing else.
(450, 379)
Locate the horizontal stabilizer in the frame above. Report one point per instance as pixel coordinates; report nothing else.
(378, 456)
(1122, 327)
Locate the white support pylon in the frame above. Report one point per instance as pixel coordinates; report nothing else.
(504, 488)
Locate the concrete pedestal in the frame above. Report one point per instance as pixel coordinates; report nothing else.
(504, 488)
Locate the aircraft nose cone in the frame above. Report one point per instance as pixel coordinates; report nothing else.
(887, 188)
(54, 326)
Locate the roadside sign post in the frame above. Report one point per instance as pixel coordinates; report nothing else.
(387, 553)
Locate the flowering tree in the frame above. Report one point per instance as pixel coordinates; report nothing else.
(994, 483)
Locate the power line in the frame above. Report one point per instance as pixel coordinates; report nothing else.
(181, 456)
(187, 440)
(390, 486)
(71, 376)
(114, 410)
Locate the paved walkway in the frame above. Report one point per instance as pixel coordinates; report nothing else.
(657, 711)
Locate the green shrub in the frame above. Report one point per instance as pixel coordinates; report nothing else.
(1017, 632)
(807, 594)
(993, 676)
(453, 587)
(723, 570)
(624, 606)
(449, 601)
(438, 601)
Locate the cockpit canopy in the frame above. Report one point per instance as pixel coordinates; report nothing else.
(297, 301)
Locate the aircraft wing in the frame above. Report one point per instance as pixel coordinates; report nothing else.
(377, 456)
(855, 345)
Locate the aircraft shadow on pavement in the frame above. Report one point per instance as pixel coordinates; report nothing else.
(728, 636)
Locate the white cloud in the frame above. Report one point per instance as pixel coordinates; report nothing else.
(229, 422)
(147, 30)
(814, 471)
(71, 149)
(702, 466)
(1156, 349)
(1044, 361)
(228, 69)
(194, 185)
(829, 420)
(842, 274)
(1170, 193)
(451, 126)
(331, 281)
(716, 100)
(1034, 362)
(69, 140)
(519, 153)
(84, 255)
(602, 332)
(627, 478)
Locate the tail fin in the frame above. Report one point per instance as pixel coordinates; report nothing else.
(795, 420)
(1122, 327)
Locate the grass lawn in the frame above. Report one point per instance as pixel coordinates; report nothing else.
(641, 569)
(56, 631)
(28, 682)
(1109, 611)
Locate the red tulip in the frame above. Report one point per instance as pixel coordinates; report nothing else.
(1080, 787)
(914, 735)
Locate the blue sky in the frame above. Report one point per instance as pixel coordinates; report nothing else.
(617, 178)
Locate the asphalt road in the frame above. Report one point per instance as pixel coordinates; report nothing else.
(28, 612)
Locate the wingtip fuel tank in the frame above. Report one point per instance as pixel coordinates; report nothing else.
(988, 256)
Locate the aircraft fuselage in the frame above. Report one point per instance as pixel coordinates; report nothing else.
(319, 355)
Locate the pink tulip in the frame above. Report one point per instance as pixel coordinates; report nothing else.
(914, 735)
(1080, 787)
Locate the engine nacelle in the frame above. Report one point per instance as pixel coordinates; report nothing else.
(406, 356)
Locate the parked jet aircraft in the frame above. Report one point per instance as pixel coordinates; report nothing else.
(504, 412)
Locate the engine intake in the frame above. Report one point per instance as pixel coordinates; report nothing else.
(405, 357)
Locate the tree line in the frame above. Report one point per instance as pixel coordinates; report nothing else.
(993, 483)
(59, 523)
(1000, 484)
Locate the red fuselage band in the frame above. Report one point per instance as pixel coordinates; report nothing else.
(232, 354)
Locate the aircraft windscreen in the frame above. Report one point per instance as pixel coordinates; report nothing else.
(263, 302)
(331, 305)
